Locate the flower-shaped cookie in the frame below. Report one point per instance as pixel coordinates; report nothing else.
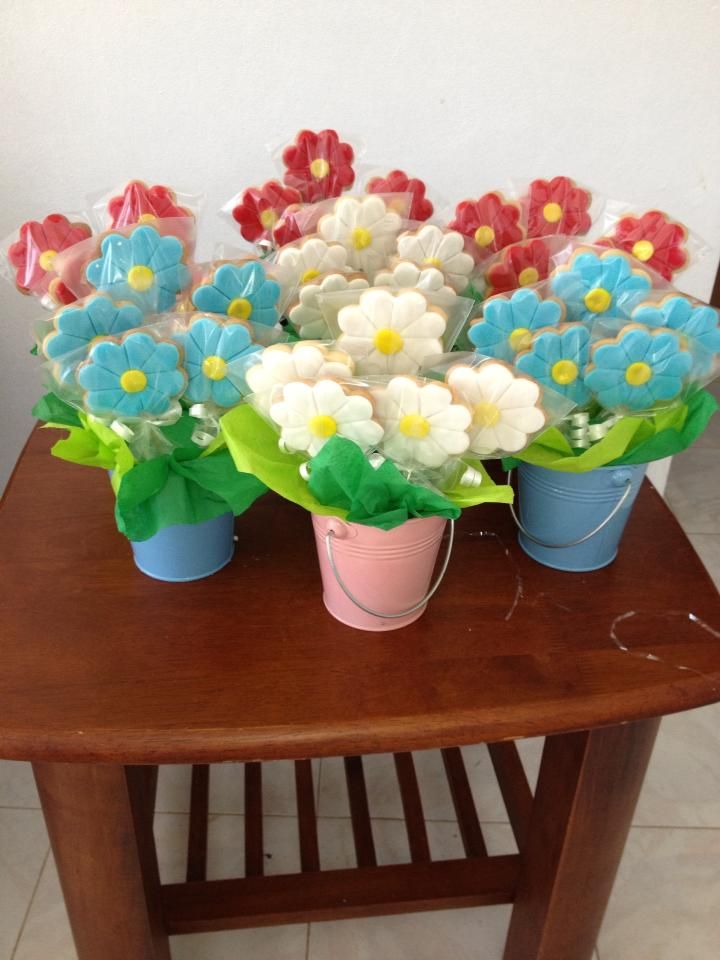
(654, 239)
(506, 408)
(136, 376)
(422, 423)
(140, 203)
(260, 209)
(318, 165)
(308, 414)
(33, 255)
(77, 326)
(696, 321)
(397, 181)
(593, 286)
(507, 325)
(242, 291)
(638, 369)
(430, 246)
(407, 275)
(287, 229)
(557, 359)
(212, 350)
(489, 222)
(144, 267)
(306, 260)
(366, 228)
(520, 265)
(391, 333)
(557, 206)
(282, 363)
(307, 316)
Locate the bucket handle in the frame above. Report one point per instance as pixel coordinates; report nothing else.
(376, 613)
(573, 543)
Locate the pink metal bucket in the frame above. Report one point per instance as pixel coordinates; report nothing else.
(379, 579)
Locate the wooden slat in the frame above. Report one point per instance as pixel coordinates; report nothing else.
(198, 831)
(307, 823)
(254, 858)
(464, 803)
(514, 787)
(338, 894)
(360, 812)
(412, 808)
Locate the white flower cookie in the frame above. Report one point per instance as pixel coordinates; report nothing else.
(306, 260)
(430, 246)
(422, 422)
(505, 406)
(306, 316)
(366, 228)
(408, 275)
(282, 363)
(308, 414)
(391, 333)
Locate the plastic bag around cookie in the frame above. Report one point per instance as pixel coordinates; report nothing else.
(256, 211)
(318, 164)
(138, 201)
(557, 206)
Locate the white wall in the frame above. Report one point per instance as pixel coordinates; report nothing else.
(621, 95)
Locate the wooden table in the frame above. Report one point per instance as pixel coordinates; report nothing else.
(106, 673)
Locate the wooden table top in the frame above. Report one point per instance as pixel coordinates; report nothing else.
(100, 663)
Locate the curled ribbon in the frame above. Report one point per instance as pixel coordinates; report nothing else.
(583, 433)
(207, 431)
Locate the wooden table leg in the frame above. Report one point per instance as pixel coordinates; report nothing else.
(99, 818)
(587, 790)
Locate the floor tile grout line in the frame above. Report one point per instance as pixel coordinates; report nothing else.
(307, 943)
(30, 903)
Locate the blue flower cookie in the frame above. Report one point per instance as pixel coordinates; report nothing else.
(144, 267)
(557, 359)
(698, 322)
(76, 326)
(212, 349)
(132, 377)
(593, 286)
(507, 324)
(242, 291)
(638, 369)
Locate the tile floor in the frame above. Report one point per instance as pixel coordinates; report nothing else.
(666, 901)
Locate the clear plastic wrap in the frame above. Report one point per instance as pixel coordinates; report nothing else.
(139, 202)
(257, 211)
(306, 315)
(317, 164)
(28, 258)
(241, 289)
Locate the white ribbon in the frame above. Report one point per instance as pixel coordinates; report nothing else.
(583, 433)
(207, 431)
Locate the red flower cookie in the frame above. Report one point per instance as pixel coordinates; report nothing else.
(287, 229)
(318, 165)
(261, 208)
(33, 255)
(489, 222)
(397, 181)
(520, 265)
(654, 239)
(557, 206)
(140, 203)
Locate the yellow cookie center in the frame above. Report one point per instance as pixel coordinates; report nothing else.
(319, 168)
(520, 338)
(528, 275)
(47, 259)
(361, 238)
(140, 278)
(133, 381)
(643, 250)
(309, 275)
(433, 262)
(268, 218)
(240, 308)
(322, 426)
(564, 372)
(552, 212)
(486, 414)
(388, 341)
(214, 368)
(638, 373)
(147, 218)
(598, 300)
(414, 426)
(484, 236)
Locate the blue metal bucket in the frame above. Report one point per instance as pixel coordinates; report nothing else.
(187, 551)
(574, 521)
